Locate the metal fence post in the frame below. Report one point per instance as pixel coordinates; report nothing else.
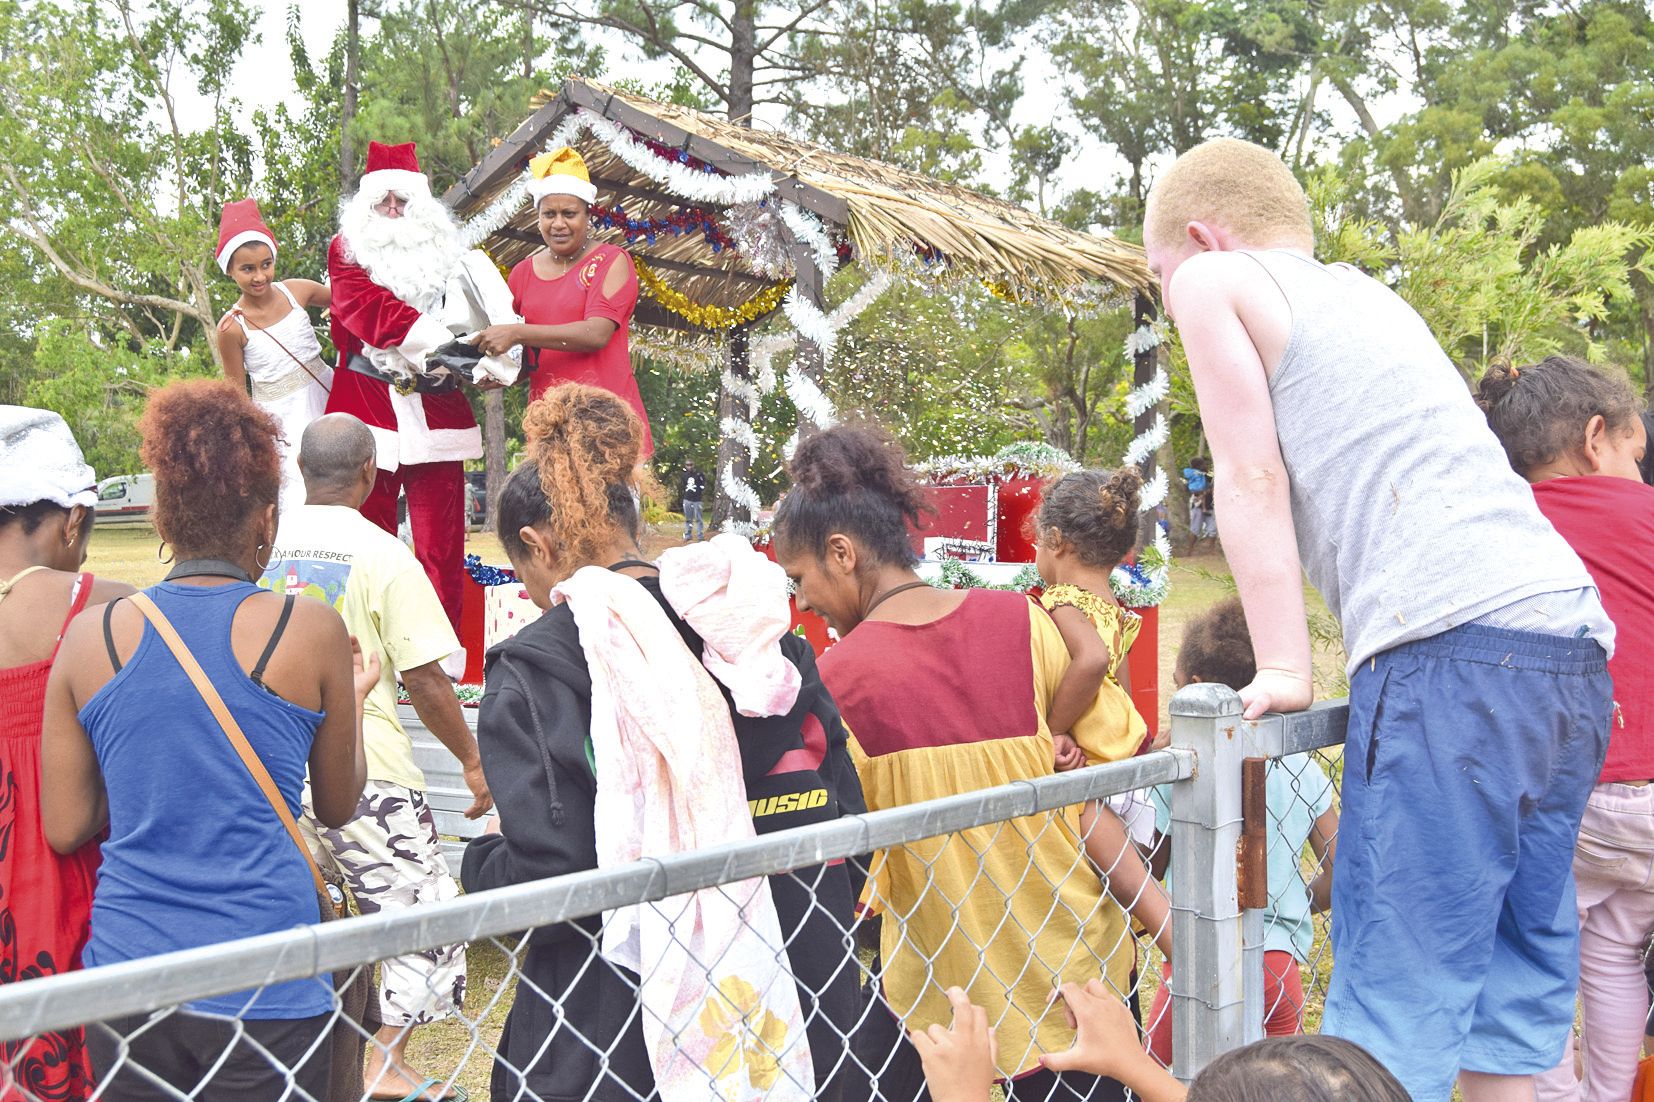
(1209, 1005)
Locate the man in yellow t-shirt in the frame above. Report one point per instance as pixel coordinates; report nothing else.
(389, 852)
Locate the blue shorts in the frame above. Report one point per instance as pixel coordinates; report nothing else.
(1467, 765)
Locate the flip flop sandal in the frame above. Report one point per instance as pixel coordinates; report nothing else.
(458, 1094)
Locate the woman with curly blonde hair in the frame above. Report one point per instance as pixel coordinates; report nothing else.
(655, 708)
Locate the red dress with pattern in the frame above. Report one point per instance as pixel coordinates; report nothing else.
(577, 296)
(45, 900)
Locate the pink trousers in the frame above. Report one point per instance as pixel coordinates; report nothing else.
(1614, 871)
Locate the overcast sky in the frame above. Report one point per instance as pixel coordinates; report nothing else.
(264, 77)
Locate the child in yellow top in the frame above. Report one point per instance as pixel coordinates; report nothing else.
(1087, 524)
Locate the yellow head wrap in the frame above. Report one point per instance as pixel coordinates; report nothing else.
(560, 172)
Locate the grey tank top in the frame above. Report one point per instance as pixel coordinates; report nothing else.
(1410, 520)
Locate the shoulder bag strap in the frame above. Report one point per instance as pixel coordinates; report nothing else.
(232, 730)
(241, 316)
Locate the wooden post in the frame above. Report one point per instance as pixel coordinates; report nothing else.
(1143, 368)
(807, 356)
(494, 448)
(732, 452)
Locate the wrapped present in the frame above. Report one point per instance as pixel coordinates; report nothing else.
(506, 611)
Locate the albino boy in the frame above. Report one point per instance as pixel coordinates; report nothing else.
(1344, 438)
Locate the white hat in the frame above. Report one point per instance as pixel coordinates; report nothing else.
(40, 461)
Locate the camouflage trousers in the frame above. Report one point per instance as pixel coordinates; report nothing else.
(391, 859)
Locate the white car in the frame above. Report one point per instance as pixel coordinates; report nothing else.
(125, 499)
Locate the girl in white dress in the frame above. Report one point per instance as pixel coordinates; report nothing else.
(267, 339)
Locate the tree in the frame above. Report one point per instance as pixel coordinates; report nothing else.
(740, 51)
(1566, 93)
(104, 190)
(932, 85)
(1480, 276)
(1155, 77)
(100, 387)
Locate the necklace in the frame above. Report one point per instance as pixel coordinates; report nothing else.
(208, 568)
(567, 265)
(889, 593)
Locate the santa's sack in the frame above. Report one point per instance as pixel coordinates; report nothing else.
(477, 298)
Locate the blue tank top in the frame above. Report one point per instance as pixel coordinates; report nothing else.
(195, 854)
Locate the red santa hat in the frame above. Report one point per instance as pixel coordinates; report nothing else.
(240, 225)
(393, 168)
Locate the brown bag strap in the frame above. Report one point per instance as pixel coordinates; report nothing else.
(232, 730)
(241, 315)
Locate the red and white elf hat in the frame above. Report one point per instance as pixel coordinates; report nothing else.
(393, 168)
(240, 225)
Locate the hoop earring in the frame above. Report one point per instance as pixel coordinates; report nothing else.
(265, 565)
(167, 558)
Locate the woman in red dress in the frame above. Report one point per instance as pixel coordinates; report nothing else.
(576, 297)
(45, 900)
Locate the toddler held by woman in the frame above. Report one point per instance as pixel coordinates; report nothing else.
(1087, 524)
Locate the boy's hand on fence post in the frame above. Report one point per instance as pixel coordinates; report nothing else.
(959, 1060)
(1276, 691)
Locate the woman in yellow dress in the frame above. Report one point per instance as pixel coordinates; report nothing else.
(947, 692)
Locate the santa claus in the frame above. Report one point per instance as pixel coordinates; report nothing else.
(389, 267)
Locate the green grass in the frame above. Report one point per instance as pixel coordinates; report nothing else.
(467, 1044)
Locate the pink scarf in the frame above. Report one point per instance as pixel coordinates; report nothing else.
(736, 600)
(721, 1016)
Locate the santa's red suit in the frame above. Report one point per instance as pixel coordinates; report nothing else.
(421, 440)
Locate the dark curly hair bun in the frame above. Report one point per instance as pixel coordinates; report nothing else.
(1495, 383)
(852, 479)
(1540, 411)
(1095, 511)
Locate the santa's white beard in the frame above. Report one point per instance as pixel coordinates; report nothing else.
(411, 256)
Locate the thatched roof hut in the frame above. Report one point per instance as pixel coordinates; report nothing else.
(722, 220)
(878, 209)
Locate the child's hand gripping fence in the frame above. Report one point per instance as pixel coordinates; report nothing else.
(988, 890)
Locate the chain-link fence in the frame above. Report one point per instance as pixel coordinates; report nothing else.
(780, 967)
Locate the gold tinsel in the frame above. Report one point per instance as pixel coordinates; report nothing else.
(1004, 293)
(702, 315)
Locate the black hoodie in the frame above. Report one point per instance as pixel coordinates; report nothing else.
(534, 732)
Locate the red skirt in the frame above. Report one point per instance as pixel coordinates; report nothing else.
(45, 899)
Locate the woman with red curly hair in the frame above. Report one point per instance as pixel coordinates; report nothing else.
(195, 852)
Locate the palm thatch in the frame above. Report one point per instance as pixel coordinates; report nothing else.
(884, 211)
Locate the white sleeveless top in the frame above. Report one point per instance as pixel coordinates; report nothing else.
(273, 372)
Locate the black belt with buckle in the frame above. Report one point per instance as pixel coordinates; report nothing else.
(442, 381)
